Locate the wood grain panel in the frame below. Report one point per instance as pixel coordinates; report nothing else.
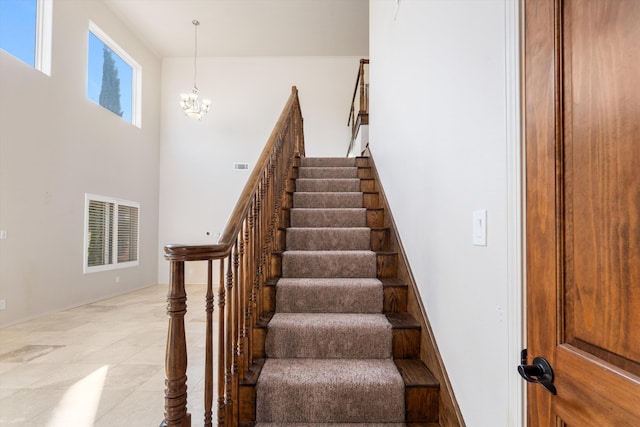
(606, 396)
(602, 179)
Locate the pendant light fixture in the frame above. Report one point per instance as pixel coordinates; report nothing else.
(191, 104)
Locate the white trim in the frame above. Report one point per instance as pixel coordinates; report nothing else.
(515, 211)
(114, 265)
(44, 28)
(136, 81)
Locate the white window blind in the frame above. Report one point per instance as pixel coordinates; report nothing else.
(111, 233)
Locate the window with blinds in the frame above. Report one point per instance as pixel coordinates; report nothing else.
(111, 233)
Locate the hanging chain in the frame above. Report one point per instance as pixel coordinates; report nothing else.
(195, 23)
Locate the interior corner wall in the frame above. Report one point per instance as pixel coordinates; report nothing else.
(198, 185)
(441, 111)
(55, 146)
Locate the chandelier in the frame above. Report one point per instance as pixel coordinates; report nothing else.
(191, 104)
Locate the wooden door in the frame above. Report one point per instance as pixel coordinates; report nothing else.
(582, 125)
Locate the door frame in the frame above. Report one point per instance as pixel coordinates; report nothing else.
(516, 198)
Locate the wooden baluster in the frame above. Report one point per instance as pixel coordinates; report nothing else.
(221, 349)
(254, 273)
(228, 374)
(246, 286)
(208, 367)
(260, 260)
(235, 333)
(175, 394)
(361, 78)
(264, 230)
(241, 304)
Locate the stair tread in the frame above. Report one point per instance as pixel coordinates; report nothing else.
(393, 282)
(342, 391)
(402, 321)
(328, 320)
(335, 252)
(329, 372)
(415, 374)
(336, 425)
(328, 280)
(252, 375)
(328, 229)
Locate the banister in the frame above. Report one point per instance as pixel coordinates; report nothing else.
(244, 254)
(179, 252)
(361, 116)
(359, 82)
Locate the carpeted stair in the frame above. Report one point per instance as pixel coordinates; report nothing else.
(329, 346)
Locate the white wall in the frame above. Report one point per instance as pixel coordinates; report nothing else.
(56, 145)
(198, 187)
(443, 132)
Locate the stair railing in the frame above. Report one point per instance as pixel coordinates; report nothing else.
(359, 112)
(243, 254)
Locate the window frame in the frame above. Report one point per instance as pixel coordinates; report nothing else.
(136, 78)
(115, 264)
(43, 37)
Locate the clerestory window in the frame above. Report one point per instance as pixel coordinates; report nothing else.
(25, 31)
(113, 77)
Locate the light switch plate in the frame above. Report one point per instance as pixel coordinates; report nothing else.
(480, 227)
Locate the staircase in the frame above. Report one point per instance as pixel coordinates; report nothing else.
(339, 347)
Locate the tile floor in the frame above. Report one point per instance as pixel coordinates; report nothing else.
(100, 364)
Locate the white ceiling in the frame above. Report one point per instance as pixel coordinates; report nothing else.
(249, 27)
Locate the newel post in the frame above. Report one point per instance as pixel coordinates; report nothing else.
(175, 392)
(296, 117)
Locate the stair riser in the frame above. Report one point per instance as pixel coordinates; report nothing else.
(328, 162)
(375, 217)
(328, 185)
(371, 200)
(327, 239)
(328, 218)
(328, 200)
(330, 265)
(395, 299)
(329, 299)
(422, 404)
(365, 172)
(328, 172)
(406, 343)
(379, 239)
(319, 342)
(367, 185)
(387, 265)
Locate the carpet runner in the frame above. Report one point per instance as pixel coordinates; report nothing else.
(329, 346)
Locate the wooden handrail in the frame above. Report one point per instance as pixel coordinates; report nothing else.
(244, 253)
(225, 242)
(361, 117)
(364, 101)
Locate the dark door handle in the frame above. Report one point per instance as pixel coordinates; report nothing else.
(540, 372)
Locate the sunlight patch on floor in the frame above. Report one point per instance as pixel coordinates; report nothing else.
(79, 405)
